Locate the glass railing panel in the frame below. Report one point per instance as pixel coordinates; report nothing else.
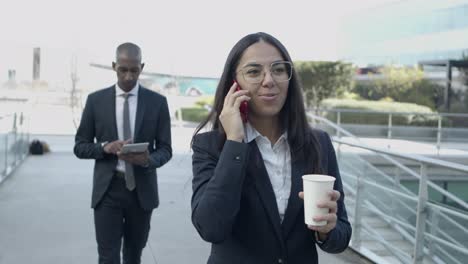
(384, 207)
(3, 156)
(14, 142)
(452, 228)
(6, 124)
(11, 157)
(378, 199)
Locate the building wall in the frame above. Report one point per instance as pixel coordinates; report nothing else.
(406, 32)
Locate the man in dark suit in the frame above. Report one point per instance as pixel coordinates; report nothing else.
(125, 187)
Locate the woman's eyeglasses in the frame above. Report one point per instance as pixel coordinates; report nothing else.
(280, 71)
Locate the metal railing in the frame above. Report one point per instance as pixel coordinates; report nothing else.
(437, 132)
(423, 230)
(14, 142)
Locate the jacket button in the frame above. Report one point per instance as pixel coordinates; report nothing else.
(280, 261)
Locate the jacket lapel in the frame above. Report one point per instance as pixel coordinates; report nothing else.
(141, 106)
(295, 204)
(263, 186)
(111, 110)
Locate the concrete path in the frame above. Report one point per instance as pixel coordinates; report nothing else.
(45, 214)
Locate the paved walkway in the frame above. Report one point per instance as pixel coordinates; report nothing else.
(45, 214)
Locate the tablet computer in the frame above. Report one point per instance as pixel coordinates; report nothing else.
(134, 148)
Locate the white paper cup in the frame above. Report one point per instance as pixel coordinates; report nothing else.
(316, 187)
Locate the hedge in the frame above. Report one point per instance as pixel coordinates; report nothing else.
(205, 100)
(379, 111)
(194, 114)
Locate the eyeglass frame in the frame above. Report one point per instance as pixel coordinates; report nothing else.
(264, 72)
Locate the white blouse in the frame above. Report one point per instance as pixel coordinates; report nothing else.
(277, 160)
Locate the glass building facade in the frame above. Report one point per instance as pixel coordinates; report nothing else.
(406, 32)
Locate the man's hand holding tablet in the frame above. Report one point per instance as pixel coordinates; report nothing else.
(136, 153)
(134, 148)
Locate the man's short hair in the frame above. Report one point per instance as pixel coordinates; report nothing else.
(128, 49)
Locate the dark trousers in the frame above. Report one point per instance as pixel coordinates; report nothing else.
(119, 215)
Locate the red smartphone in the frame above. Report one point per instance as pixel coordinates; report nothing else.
(244, 108)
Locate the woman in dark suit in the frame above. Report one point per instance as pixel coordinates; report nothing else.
(247, 185)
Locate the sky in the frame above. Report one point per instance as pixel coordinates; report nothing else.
(177, 37)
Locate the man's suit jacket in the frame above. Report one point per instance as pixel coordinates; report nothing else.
(234, 206)
(152, 124)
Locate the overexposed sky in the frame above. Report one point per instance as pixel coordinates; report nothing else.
(177, 37)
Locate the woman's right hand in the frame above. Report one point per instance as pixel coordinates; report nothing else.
(230, 115)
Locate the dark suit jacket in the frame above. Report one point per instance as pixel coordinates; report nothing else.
(234, 206)
(98, 124)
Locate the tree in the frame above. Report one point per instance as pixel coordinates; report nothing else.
(402, 84)
(397, 81)
(464, 71)
(323, 79)
(464, 78)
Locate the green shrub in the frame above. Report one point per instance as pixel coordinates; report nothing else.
(205, 100)
(194, 114)
(378, 106)
(350, 95)
(378, 112)
(402, 84)
(425, 93)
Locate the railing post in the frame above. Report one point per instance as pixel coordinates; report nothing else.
(421, 216)
(397, 185)
(23, 137)
(28, 135)
(389, 130)
(434, 219)
(338, 122)
(179, 117)
(358, 202)
(439, 133)
(397, 176)
(15, 140)
(5, 171)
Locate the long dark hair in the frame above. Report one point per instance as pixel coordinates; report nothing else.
(301, 139)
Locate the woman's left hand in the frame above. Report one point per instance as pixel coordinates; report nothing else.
(331, 217)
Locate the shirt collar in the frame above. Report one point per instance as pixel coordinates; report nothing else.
(252, 134)
(120, 92)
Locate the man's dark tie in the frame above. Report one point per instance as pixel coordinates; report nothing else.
(127, 133)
